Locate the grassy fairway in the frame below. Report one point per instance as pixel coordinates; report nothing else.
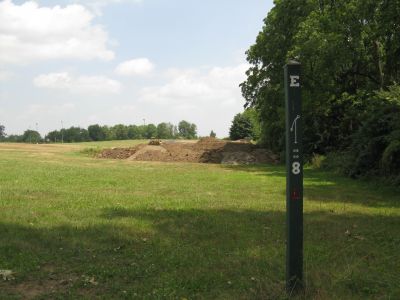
(76, 227)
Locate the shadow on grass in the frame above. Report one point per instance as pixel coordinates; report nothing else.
(208, 254)
(321, 186)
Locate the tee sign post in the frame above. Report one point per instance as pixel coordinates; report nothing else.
(294, 178)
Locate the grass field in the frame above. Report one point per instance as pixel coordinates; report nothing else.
(75, 227)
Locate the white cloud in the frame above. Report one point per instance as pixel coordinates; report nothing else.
(29, 33)
(138, 66)
(78, 85)
(211, 94)
(98, 5)
(214, 85)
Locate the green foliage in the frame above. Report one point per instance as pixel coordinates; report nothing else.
(75, 134)
(374, 148)
(252, 115)
(241, 127)
(2, 132)
(91, 151)
(120, 132)
(165, 131)
(134, 132)
(349, 52)
(187, 130)
(31, 136)
(96, 133)
(13, 138)
(150, 131)
(317, 161)
(54, 136)
(108, 133)
(213, 134)
(391, 158)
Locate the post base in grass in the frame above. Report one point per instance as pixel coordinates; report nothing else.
(294, 286)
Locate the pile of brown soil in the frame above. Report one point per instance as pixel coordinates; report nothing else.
(207, 150)
(117, 153)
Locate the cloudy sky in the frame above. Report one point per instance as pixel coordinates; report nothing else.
(121, 61)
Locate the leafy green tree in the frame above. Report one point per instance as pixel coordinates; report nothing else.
(120, 132)
(375, 146)
(345, 47)
(252, 115)
(213, 134)
(31, 136)
(54, 136)
(109, 133)
(14, 138)
(134, 132)
(75, 135)
(263, 88)
(241, 127)
(165, 130)
(96, 133)
(187, 130)
(142, 131)
(2, 132)
(150, 131)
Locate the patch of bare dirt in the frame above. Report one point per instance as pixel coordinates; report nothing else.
(32, 289)
(206, 150)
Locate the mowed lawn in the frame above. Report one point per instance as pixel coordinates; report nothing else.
(76, 227)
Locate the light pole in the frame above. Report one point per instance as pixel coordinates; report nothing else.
(62, 132)
(37, 130)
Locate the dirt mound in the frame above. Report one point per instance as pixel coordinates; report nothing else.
(207, 150)
(117, 153)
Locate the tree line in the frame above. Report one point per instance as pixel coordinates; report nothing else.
(349, 51)
(184, 130)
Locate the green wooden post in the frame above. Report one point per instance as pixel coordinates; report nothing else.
(294, 178)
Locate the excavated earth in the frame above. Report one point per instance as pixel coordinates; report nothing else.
(206, 150)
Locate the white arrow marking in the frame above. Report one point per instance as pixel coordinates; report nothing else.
(294, 126)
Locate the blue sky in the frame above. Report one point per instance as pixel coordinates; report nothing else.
(122, 61)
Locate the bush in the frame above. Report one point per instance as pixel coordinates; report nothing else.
(375, 145)
(246, 125)
(391, 158)
(91, 151)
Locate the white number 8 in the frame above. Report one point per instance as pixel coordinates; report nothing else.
(296, 168)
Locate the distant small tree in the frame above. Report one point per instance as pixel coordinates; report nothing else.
(14, 138)
(96, 133)
(187, 130)
(31, 136)
(150, 131)
(165, 130)
(2, 132)
(134, 132)
(252, 114)
(241, 127)
(109, 133)
(120, 132)
(75, 135)
(213, 134)
(54, 136)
